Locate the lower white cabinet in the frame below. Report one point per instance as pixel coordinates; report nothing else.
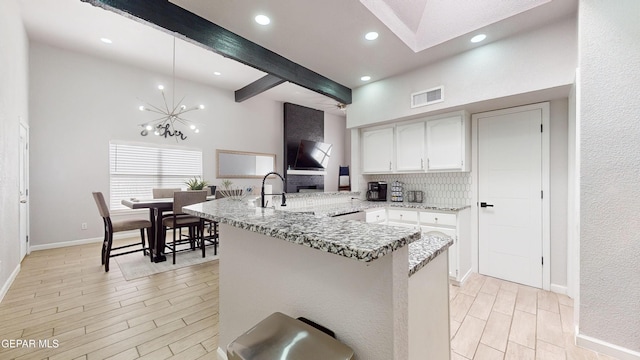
(376, 216)
(454, 224)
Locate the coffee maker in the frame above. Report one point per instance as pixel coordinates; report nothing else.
(377, 191)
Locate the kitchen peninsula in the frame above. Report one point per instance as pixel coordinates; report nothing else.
(382, 289)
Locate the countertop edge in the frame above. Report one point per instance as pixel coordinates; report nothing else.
(423, 251)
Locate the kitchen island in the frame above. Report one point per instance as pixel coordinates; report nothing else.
(349, 276)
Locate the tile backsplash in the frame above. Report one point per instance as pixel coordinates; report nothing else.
(447, 188)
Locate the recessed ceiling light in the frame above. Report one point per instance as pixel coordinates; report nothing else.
(106, 41)
(263, 20)
(365, 78)
(217, 73)
(478, 38)
(371, 35)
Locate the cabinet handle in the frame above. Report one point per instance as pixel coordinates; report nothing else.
(389, 165)
(421, 163)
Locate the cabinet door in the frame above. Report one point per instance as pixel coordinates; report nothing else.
(453, 249)
(410, 147)
(378, 216)
(377, 150)
(445, 143)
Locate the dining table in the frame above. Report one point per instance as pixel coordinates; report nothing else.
(156, 208)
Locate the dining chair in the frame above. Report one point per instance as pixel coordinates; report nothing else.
(161, 193)
(111, 227)
(180, 220)
(344, 179)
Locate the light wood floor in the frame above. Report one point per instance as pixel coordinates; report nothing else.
(64, 295)
(496, 319)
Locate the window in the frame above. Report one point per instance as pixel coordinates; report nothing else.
(135, 169)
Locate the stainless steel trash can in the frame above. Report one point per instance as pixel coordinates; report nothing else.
(285, 338)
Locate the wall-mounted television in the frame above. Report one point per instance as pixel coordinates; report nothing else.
(312, 155)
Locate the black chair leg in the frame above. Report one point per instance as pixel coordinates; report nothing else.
(201, 228)
(107, 254)
(174, 245)
(104, 246)
(144, 252)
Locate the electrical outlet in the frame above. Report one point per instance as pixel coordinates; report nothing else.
(83, 226)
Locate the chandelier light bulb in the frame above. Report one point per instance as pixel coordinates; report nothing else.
(157, 133)
(192, 127)
(149, 127)
(183, 107)
(141, 108)
(160, 87)
(197, 131)
(201, 107)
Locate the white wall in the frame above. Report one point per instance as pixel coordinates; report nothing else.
(609, 120)
(558, 175)
(79, 103)
(540, 59)
(13, 107)
(334, 134)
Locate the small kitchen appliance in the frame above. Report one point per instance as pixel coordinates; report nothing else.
(416, 196)
(377, 191)
(396, 191)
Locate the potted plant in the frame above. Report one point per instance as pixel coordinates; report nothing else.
(196, 183)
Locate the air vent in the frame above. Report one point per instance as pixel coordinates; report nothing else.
(427, 97)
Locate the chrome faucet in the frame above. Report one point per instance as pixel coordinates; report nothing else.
(284, 185)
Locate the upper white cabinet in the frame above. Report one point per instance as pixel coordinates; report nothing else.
(437, 143)
(448, 140)
(377, 150)
(410, 147)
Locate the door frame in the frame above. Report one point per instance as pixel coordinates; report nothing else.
(26, 176)
(546, 218)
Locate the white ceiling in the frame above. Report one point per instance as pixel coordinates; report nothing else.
(325, 36)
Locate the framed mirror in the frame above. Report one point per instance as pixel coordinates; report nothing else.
(244, 165)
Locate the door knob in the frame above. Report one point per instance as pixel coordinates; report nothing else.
(484, 204)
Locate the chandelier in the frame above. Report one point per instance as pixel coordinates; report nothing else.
(170, 114)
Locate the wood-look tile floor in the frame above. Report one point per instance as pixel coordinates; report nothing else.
(497, 319)
(64, 295)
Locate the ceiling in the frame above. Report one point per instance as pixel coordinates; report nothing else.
(325, 36)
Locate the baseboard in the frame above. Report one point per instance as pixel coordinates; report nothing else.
(7, 285)
(117, 236)
(463, 279)
(606, 348)
(558, 289)
(222, 355)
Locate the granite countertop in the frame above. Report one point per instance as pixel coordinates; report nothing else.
(348, 238)
(360, 205)
(429, 246)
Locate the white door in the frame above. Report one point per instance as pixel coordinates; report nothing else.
(509, 193)
(24, 190)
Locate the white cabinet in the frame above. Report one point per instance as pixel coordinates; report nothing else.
(377, 216)
(377, 150)
(455, 225)
(437, 143)
(403, 218)
(410, 146)
(448, 140)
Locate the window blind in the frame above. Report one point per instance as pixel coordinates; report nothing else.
(136, 169)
